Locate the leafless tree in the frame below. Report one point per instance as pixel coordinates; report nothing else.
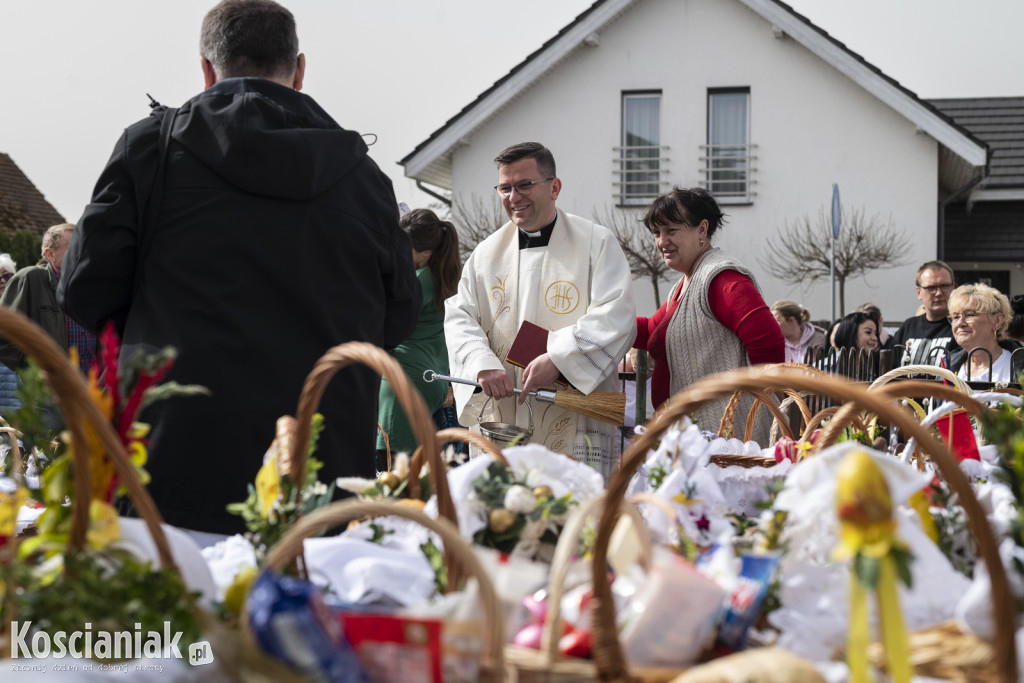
(476, 218)
(639, 246)
(803, 251)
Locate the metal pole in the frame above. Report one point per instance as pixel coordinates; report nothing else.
(832, 276)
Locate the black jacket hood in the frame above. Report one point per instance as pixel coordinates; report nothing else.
(281, 143)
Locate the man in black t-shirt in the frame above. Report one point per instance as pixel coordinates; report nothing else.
(931, 330)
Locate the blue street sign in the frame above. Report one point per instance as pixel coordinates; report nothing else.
(837, 216)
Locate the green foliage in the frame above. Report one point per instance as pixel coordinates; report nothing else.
(37, 419)
(868, 569)
(379, 532)
(436, 559)
(1003, 428)
(491, 487)
(263, 532)
(113, 591)
(657, 476)
(954, 538)
(24, 246)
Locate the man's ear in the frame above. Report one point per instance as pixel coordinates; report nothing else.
(556, 187)
(209, 74)
(300, 72)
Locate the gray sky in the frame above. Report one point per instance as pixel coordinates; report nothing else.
(73, 74)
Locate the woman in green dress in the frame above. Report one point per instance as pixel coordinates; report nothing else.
(435, 252)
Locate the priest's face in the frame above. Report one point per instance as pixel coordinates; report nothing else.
(535, 208)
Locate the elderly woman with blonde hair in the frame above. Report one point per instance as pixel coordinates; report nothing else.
(978, 315)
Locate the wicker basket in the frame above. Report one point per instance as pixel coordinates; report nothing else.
(779, 421)
(761, 398)
(933, 370)
(893, 392)
(608, 653)
(288, 548)
(237, 660)
(548, 665)
(408, 397)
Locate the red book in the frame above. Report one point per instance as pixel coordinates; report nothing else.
(530, 342)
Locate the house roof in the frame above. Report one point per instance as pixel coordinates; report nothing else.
(962, 154)
(999, 122)
(22, 205)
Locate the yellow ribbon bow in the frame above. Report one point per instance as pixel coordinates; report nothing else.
(867, 535)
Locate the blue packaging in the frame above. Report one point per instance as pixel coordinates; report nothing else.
(291, 622)
(744, 603)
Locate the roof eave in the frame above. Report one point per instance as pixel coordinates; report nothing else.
(434, 157)
(898, 98)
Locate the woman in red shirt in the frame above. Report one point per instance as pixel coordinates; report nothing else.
(715, 318)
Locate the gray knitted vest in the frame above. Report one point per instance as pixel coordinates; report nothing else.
(697, 345)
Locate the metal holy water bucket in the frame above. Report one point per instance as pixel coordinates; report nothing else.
(504, 433)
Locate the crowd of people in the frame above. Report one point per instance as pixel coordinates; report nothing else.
(252, 233)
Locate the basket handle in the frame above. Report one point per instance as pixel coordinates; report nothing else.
(892, 391)
(761, 398)
(462, 435)
(911, 370)
(408, 397)
(607, 650)
(73, 399)
(561, 562)
(289, 546)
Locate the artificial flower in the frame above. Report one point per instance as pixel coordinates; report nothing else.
(268, 487)
(10, 503)
(520, 499)
(104, 527)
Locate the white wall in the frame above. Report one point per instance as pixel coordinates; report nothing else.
(812, 127)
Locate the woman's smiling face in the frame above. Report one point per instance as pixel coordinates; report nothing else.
(867, 335)
(973, 327)
(680, 244)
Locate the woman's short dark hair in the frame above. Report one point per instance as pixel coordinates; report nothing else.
(685, 206)
(846, 333)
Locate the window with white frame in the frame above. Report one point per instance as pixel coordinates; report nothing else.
(639, 157)
(729, 159)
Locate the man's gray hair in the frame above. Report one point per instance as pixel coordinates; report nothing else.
(53, 233)
(7, 263)
(250, 38)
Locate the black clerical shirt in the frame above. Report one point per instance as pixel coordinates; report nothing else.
(530, 240)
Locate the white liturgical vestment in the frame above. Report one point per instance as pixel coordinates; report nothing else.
(579, 288)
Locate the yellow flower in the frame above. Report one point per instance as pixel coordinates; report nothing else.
(268, 487)
(684, 499)
(102, 469)
(803, 448)
(104, 527)
(919, 502)
(234, 596)
(10, 504)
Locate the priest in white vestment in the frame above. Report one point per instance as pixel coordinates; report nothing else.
(556, 270)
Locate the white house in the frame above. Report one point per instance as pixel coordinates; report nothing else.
(746, 97)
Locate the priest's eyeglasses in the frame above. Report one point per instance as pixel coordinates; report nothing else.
(523, 187)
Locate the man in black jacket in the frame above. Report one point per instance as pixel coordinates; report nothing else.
(921, 335)
(271, 238)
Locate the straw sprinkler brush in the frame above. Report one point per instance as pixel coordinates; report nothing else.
(606, 406)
